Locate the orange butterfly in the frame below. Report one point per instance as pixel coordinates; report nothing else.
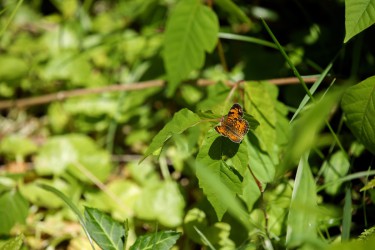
(233, 125)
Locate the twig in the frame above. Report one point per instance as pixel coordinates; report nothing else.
(62, 95)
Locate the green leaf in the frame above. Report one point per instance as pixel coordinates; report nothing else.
(359, 15)
(262, 107)
(214, 152)
(301, 225)
(12, 68)
(358, 104)
(17, 146)
(161, 240)
(337, 167)
(181, 121)
(74, 152)
(191, 31)
(260, 162)
(107, 233)
(13, 209)
(13, 243)
(163, 202)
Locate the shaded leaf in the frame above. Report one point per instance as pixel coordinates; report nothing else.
(359, 15)
(107, 233)
(234, 11)
(181, 121)
(161, 240)
(214, 152)
(191, 31)
(358, 104)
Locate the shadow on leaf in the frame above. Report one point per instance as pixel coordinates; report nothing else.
(222, 147)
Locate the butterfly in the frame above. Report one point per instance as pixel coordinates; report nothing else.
(233, 125)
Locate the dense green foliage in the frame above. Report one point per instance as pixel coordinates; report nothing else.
(108, 115)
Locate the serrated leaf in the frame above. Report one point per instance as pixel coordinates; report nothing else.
(107, 233)
(181, 121)
(262, 107)
(13, 243)
(13, 209)
(214, 152)
(191, 31)
(161, 240)
(359, 15)
(358, 104)
(301, 224)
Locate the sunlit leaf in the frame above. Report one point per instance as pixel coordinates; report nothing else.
(107, 233)
(161, 201)
(369, 185)
(262, 106)
(359, 15)
(161, 240)
(358, 104)
(17, 146)
(181, 121)
(191, 31)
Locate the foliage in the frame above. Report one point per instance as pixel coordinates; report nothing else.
(108, 115)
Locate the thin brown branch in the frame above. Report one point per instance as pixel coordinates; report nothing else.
(62, 95)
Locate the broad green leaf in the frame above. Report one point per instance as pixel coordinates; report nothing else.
(359, 15)
(13, 243)
(181, 121)
(214, 152)
(17, 146)
(301, 225)
(13, 209)
(262, 106)
(260, 162)
(337, 167)
(358, 104)
(74, 152)
(250, 192)
(163, 202)
(40, 197)
(12, 68)
(107, 233)
(161, 240)
(191, 31)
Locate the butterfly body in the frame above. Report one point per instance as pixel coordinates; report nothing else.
(233, 125)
